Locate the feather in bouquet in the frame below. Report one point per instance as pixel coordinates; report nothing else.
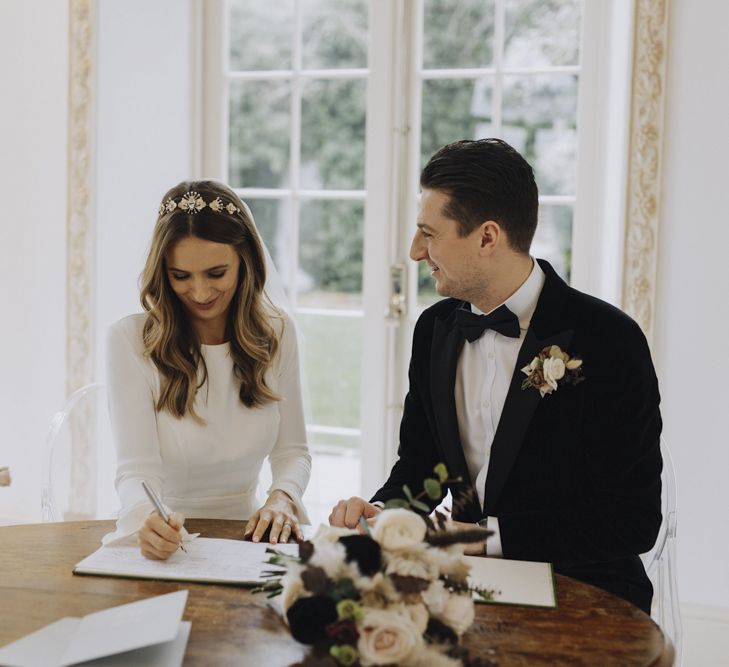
(396, 595)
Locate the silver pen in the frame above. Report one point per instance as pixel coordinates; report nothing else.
(158, 506)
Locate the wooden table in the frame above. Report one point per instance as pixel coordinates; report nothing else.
(232, 626)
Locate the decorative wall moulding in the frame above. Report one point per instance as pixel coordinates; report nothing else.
(80, 246)
(644, 161)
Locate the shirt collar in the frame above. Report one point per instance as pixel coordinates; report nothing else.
(523, 302)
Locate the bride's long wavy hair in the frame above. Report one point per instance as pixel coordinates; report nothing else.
(170, 339)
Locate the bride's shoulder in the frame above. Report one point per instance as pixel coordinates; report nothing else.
(127, 331)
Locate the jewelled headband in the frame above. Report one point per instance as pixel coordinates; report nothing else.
(192, 202)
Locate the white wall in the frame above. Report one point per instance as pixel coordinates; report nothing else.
(33, 121)
(692, 318)
(146, 97)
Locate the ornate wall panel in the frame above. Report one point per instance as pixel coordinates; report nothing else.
(80, 250)
(644, 170)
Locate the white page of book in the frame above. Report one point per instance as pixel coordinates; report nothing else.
(207, 560)
(515, 581)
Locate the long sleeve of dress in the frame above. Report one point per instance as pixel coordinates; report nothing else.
(290, 459)
(131, 408)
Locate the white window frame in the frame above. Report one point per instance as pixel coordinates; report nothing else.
(391, 165)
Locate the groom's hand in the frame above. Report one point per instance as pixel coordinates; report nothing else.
(346, 513)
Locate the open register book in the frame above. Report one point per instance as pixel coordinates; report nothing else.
(208, 560)
(221, 561)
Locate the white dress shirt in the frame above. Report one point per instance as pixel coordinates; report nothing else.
(483, 376)
(206, 469)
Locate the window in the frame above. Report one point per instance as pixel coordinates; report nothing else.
(321, 113)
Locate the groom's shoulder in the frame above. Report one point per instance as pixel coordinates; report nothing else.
(592, 313)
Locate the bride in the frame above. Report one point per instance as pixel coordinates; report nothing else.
(204, 385)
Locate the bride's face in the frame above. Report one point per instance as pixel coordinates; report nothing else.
(204, 276)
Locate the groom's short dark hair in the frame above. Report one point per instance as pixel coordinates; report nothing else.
(486, 179)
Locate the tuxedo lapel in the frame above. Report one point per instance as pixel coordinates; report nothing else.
(445, 350)
(520, 404)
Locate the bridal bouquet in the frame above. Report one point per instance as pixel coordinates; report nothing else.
(396, 595)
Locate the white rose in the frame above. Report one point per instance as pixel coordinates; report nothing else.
(411, 566)
(330, 556)
(398, 529)
(458, 613)
(435, 597)
(553, 370)
(450, 561)
(293, 589)
(419, 616)
(387, 636)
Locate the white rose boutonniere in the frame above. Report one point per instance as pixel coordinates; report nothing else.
(551, 367)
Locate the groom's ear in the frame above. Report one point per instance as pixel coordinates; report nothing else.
(490, 235)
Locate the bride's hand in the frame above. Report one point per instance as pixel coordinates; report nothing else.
(278, 512)
(159, 540)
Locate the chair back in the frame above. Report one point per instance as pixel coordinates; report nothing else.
(78, 460)
(660, 561)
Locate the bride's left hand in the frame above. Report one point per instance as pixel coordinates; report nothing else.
(278, 513)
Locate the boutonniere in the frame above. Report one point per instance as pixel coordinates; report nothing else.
(551, 367)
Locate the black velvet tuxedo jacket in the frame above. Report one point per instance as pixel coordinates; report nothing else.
(574, 476)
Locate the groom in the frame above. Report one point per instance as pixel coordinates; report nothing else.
(568, 474)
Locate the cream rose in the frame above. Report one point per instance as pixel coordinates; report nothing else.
(387, 636)
(411, 565)
(553, 370)
(436, 597)
(330, 556)
(418, 615)
(458, 613)
(293, 589)
(399, 529)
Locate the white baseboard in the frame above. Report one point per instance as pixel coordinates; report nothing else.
(705, 636)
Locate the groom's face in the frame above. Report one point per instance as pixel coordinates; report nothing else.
(452, 258)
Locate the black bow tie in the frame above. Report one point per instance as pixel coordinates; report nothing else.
(501, 320)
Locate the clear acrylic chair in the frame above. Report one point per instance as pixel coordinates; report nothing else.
(660, 561)
(79, 460)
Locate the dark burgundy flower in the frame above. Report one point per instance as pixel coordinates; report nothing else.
(306, 550)
(364, 551)
(308, 618)
(440, 633)
(315, 579)
(343, 632)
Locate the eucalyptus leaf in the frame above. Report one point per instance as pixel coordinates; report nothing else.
(420, 505)
(397, 503)
(441, 471)
(432, 488)
(408, 493)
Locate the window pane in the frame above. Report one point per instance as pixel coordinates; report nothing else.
(540, 121)
(261, 34)
(427, 295)
(553, 240)
(454, 109)
(335, 34)
(333, 134)
(330, 254)
(259, 134)
(540, 33)
(332, 357)
(458, 34)
(273, 217)
(335, 474)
